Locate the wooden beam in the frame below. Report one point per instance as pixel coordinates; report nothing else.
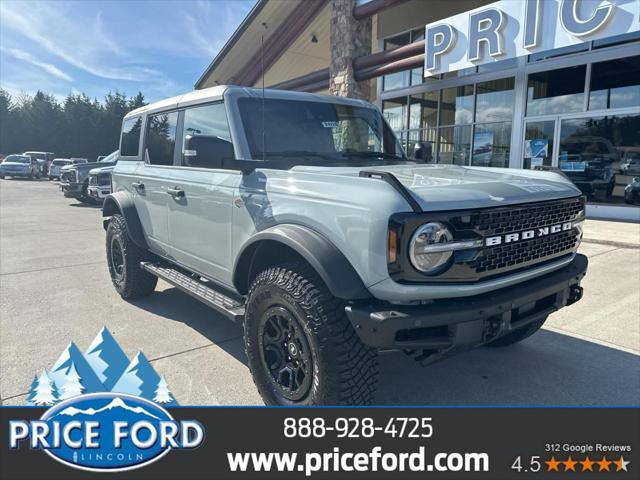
(280, 40)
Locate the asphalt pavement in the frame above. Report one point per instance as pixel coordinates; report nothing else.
(55, 288)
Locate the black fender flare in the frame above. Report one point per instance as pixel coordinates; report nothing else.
(326, 259)
(122, 202)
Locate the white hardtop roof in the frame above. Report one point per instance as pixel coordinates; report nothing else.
(216, 93)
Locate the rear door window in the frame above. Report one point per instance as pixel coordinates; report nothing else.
(161, 138)
(130, 139)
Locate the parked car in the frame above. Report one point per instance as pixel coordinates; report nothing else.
(632, 192)
(100, 183)
(24, 166)
(56, 165)
(44, 161)
(330, 245)
(630, 163)
(74, 179)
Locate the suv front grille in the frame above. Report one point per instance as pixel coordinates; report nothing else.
(68, 176)
(526, 251)
(528, 217)
(532, 216)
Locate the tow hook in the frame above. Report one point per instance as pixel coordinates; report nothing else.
(575, 294)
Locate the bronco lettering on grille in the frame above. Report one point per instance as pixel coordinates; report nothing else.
(527, 234)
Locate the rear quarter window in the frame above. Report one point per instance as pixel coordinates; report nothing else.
(130, 139)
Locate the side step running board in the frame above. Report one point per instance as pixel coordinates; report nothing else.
(199, 290)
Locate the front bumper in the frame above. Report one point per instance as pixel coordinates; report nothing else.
(99, 192)
(449, 325)
(71, 190)
(16, 173)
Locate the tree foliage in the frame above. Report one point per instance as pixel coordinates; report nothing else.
(77, 127)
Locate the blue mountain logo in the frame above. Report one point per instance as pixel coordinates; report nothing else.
(106, 432)
(104, 367)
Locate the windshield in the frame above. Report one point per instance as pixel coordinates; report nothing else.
(60, 162)
(17, 159)
(112, 157)
(38, 155)
(318, 131)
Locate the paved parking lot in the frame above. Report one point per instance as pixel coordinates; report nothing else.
(54, 288)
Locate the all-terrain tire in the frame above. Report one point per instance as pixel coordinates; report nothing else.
(129, 280)
(517, 335)
(344, 370)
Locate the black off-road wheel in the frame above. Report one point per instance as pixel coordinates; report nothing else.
(517, 335)
(123, 259)
(301, 348)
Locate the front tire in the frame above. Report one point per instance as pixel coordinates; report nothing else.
(517, 335)
(301, 348)
(123, 259)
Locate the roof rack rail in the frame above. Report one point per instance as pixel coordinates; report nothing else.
(391, 179)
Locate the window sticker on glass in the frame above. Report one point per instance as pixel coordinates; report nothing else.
(330, 124)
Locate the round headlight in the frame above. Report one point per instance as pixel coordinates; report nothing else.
(430, 260)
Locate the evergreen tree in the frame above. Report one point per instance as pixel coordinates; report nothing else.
(73, 386)
(46, 393)
(163, 394)
(32, 390)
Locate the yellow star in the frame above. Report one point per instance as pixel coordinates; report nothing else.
(587, 464)
(569, 464)
(604, 464)
(552, 465)
(621, 464)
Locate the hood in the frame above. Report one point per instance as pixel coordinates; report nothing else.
(96, 171)
(92, 165)
(14, 164)
(451, 187)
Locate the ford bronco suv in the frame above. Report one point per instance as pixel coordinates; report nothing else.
(299, 216)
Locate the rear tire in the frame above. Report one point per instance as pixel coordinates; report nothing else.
(302, 349)
(517, 335)
(123, 259)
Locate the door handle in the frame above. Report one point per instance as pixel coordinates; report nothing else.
(176, 192)
(138, 185)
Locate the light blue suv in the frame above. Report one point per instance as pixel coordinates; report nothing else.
(300, 216)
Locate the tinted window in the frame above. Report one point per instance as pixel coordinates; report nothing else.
(130, 136)
(161, 138)
(615, 84)
(206, 140)
(556, 91)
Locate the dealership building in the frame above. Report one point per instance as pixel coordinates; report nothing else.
(542, 84)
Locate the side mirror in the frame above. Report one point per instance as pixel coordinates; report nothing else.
(206, 151)
(423, 152)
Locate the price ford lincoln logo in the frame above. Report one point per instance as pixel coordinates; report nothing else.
(106, 432)
(528, 234)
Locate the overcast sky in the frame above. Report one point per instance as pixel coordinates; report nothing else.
(158, 47)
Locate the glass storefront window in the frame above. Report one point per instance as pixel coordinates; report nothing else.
(538, 144)
(456, 107)
(491, 144)
(423, 110)
(454, 145)
(395, 112)
(559, 52)
(600, 155)
(615, 84)
(426, 141)
(556, 91)
(397, 80)
(495, 100)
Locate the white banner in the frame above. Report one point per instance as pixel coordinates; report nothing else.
(512, 28)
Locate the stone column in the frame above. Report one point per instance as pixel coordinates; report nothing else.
(350, 39)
